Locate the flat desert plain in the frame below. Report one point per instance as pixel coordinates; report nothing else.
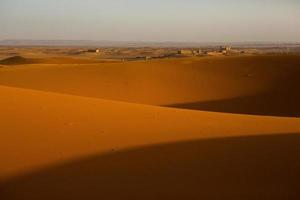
(179, 128)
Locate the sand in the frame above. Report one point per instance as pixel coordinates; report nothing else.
(252, 84)
(151, 129)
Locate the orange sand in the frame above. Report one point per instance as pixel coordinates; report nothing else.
(73, 131)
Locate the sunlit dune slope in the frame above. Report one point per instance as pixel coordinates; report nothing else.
(56, 146)
(263, 85)
(64, 135)
(39, 128)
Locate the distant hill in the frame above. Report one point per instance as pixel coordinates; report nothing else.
(17, 60)
(93, 43)
(103, 43)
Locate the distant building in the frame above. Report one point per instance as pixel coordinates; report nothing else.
(224, 49)
(197, 52)
(185, 52)
(94, 50)
(143, 58)
(214, 53)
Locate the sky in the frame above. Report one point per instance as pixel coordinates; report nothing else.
(152, 20)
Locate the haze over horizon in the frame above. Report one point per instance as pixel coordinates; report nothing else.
(140, 20)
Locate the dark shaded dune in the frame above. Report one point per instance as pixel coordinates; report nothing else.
(257, 167)
(71, 60)
(268, 104)
(282, 98)
(18, 60)
(261, 85)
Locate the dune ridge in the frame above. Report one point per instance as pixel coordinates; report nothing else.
(19, 60)
(62, 127)
(162, 129)
(261, 85)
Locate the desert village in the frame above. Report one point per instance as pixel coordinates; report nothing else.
(223, 50)
(134, 53)
(158, 53)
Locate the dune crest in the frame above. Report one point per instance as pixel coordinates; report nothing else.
(63, 127)
(144, 129)
(17, 60)
(259, 85)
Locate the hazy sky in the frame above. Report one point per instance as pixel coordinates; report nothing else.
(152, 20)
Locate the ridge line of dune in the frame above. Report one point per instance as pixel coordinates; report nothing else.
(162, 107)
(62, 127)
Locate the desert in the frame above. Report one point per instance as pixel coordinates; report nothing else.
(149, 100)
(90, 125)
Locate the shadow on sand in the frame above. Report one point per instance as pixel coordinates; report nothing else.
(267, 104)
(18, 60)
(258, 167)
(282, 98)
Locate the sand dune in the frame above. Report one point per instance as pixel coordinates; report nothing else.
(45, 128)
(257, 167)
(19, 60)
(73, 131)
(264, 85)
(270, 103)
